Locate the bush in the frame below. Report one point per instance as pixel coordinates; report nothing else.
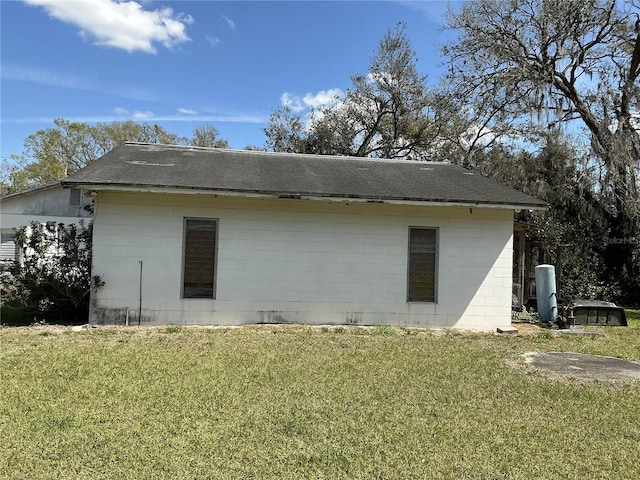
(52, 279)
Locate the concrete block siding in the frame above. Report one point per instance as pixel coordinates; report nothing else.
(299, 261)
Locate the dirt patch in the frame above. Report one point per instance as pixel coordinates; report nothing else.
(580, 365)
(527, 328)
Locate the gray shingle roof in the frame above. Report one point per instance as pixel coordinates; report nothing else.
(136, 165)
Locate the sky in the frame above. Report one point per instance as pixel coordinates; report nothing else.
(189, 63)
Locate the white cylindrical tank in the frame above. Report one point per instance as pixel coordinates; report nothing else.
(546, 293)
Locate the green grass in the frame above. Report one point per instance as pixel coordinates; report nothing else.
(295, 402)
(633, 317)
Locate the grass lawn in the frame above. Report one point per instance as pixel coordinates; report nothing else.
(323, 403)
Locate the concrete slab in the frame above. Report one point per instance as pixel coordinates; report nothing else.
(584, 366)
(509, 330)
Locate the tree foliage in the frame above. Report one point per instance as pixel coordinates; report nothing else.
(389, 112)
(52, 279)
(288, 132)
(207, 136)
(524, 68)
(571, 231)
(53, 153)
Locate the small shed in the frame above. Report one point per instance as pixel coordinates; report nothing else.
(208, 236)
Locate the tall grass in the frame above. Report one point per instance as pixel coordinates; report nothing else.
(296, 402)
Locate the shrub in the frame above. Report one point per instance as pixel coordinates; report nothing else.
(52, 279)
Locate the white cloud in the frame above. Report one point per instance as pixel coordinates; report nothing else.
(230, 23)
(323, 97)
(139, 115)
(213, 41)
(294, 102)
(311, 100)
(187, 111)
(146, 115)
(125, 25)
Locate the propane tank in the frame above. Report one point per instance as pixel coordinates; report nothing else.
(546, 293)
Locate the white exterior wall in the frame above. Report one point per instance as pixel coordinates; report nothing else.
(299, 261)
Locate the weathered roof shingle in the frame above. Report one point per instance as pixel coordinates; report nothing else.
(136, 165)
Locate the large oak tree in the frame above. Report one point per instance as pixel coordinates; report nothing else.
(526, 67)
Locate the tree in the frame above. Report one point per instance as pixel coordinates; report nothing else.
(524, 67)
(52, 280)
(53, 153)
(571, 230)
(15, 175)
(389, 112)
(207, 136)
(287, 132)
(106, 136)
(387, 106)
(56, 152)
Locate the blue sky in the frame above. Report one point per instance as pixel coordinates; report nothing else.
(183, 64)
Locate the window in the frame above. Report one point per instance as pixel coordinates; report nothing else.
(199, 262)
(421, 284)
(8, 248)
(74, 197)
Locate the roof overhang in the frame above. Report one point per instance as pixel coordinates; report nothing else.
(89, 188)
(31, 190)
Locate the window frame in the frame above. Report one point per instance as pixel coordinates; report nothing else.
(216, 223)
(436, 268)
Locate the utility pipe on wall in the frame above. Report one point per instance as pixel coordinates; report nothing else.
(140, 297)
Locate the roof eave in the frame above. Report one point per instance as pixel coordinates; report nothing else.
(299, 196)
(31, 190)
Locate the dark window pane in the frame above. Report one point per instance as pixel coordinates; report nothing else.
(75, 197)
(422, 265)
(199, 259)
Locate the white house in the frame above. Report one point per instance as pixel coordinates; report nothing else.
(188, 235)
(45, 204)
